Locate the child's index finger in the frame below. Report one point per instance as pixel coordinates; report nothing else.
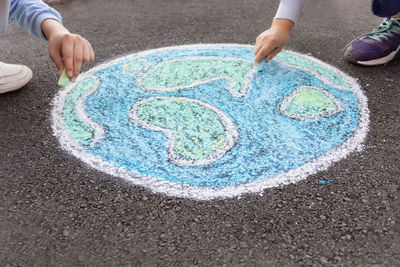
(64, 80)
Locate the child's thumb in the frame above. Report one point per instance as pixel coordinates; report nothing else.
(58, 61)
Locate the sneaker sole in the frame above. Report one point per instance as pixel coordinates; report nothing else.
(19, 85)
(375, 62)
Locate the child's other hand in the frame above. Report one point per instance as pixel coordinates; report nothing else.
(271, 42)
(67, 50)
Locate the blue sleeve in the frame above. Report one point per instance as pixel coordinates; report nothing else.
(29, 14)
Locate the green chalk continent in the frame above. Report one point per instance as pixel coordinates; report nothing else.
(80, 130)
(310, 103)
(187, 72)
(197, 129)
(296, 60)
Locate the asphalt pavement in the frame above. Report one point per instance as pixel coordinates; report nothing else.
(57, 211)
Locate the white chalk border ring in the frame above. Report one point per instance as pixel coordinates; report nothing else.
(353, 143)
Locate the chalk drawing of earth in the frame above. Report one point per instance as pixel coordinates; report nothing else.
(201, 122)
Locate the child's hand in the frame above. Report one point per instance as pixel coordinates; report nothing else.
(67, 50)
(70, 51)
(271, 42)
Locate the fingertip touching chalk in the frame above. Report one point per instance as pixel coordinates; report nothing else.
(260, 65)
(64, 80)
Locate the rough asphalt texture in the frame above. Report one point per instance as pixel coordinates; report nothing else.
(56, 211)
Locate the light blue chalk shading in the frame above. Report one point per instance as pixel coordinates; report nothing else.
(269, 143)
(303, 62)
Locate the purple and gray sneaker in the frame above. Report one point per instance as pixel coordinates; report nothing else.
(378, 47)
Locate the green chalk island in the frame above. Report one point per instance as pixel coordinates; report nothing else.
(188, 72)
(136, 66)
(195, 130)
(78, 128)
(310, 103)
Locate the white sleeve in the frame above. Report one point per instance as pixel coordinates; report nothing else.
(290, 9)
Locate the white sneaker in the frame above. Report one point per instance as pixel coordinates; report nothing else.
(13, 77)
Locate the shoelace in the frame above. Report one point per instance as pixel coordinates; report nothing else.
(383, 31)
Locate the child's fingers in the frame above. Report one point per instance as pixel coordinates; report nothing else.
(259, 45)
(263, 52)
(90, 50)
(91, 53)
(54, 53)
(88, 54)
(260, 41)
(257, 48)
(78, 56)
(272, 54)
(57, 59)
(258, 38)
(67, 51)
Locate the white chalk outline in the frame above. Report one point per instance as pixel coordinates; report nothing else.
(231, 82)
(162, 186)
(288, 98)
(230, 132)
